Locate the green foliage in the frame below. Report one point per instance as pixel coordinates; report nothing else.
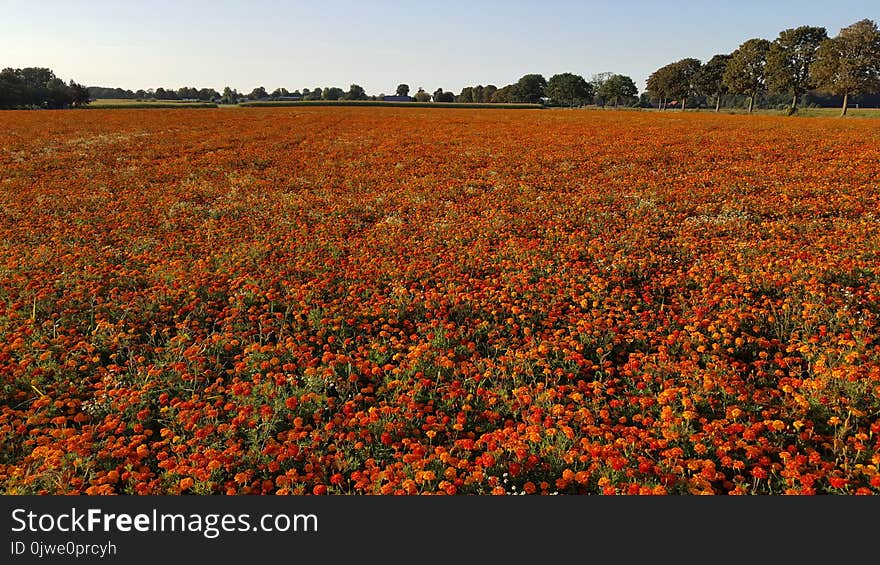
(258, 93)
(619, 89)
(230, 96)
(332, 93)
(37, 87)
(790, 58)
(676, 80)
(441, 95)
(746, 71)
(355, 92)
(529, 89)
(568, 89)
(710, 79)
(850, 62)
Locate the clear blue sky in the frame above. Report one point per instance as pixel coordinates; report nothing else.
(378, 44)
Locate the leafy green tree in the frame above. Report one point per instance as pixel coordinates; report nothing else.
(529, 89)
(332, 93)
(441, 95)
(355, 92)
(569, 89)
(789, 60)
(504, 95)
(660, 84)
(79, 94)
(710, 79)
(230, 96)
(38, 87)
(12, 89)
(258, 93)
(59, 95)
(488, 93)
(850, 62)
(746, 69)
(684, 79)
(619, 89)
(402, 90)
(208, 94)
(466, 96)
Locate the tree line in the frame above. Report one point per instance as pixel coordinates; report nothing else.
(797, 61)
(562, 89)
(36, 87)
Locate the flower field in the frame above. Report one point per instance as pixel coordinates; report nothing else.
(401, 301)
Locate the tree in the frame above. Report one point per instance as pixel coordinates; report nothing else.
(442, 96)
(59, 95)
(79, 94)
(355, 92)
(660, 84)
(529, 89)
(422, 96)
(38, 87)
(789, 60)
(619, 88)
(599, 79)
(849, 63)
(258, 93)
(403, 90)
(683, 78)
(279, 93)
(746, 69)
(488, 93)
(230, 96)
(466, 96)
(332, 93)
(503, 95)
(208, 94)
(710, 79)
(569, 89)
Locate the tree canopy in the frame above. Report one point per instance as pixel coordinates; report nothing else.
(746, 69)
(529, 89)
(38, 87)
(568, 89)
(710, 79)
(790, 58)
(618, 89)
(850, 62)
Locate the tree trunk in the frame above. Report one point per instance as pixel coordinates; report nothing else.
(794, 103)
(684, 103)
(751, 103)
(845, 103)
(717, 103)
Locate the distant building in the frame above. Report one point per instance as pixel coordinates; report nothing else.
(397, 99)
